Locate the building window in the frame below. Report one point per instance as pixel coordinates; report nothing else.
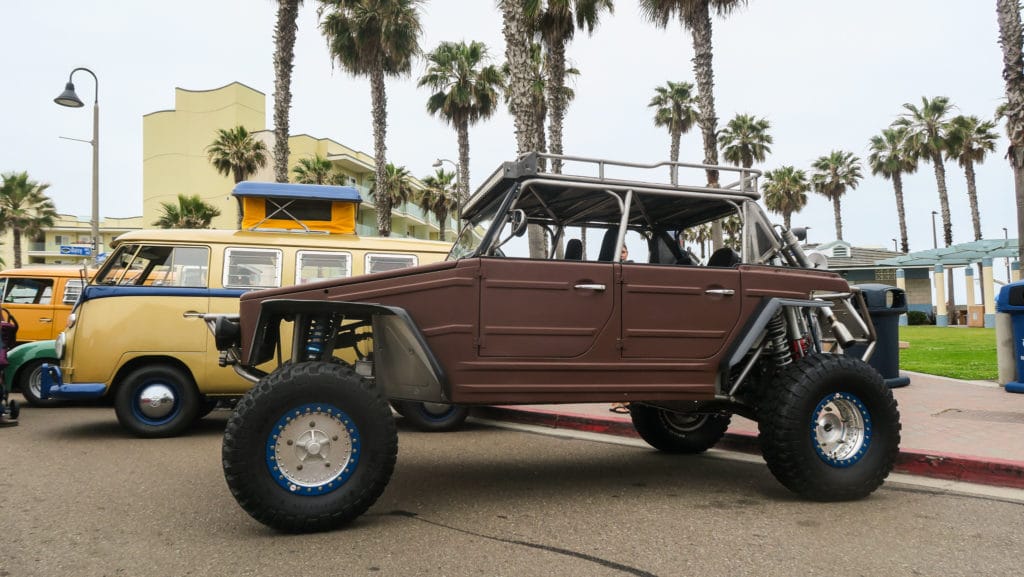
(885, 275)
(840, 252)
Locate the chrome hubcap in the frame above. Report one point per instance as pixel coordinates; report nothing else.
(156, 401)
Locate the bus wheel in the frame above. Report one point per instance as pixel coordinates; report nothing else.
(157, 401)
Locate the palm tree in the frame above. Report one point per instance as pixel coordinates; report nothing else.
(927, 140)
(557, 21)
(1011, 37)
(833, 175)
(889, 158)
(284, 56)
(695, 16)
(970, 140)
(190, 212)
(518, 31)
(24, 209)
(316, 170)
(785, 191)
(237, 153)
(745, 139)
(440, 198)
(396, 188)
(465, 91)
(675, 109)
(374, 38)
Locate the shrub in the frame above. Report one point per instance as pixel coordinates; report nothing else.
(918, 318)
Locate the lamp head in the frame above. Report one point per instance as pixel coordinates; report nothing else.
(437, 163)
(68, 97)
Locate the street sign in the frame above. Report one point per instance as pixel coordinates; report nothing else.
(73, 250)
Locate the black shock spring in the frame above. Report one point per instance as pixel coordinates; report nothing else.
(777, 335)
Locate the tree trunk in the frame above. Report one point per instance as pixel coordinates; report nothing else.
(442, 220)
(284, 56)
(703, 71)
(16, 246)
(239, 177)
(940, 181)
(1010, 38)
(556, 100)
(382, 198)
(837, 209)
(517, 33)
(786, 219)
(972, 196)
(897, 185)
(673, 152)
(462, 133)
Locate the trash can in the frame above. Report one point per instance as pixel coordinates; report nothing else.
(885, 305)
(1010, 336)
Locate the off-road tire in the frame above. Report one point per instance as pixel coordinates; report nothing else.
(819, 400)
(432, 417)
(311, 398)
(672, 432)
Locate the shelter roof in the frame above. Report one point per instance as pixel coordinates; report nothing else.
(958, 254)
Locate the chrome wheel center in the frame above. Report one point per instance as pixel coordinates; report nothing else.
(312, 450)
(841, 429)
(156, 401)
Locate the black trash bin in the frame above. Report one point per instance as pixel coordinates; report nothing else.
(885, 305)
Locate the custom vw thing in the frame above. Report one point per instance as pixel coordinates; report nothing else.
(758, 332)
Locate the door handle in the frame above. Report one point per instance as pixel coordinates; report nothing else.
(724, 292)
(45, 320)
(590, 287)
(192, 315)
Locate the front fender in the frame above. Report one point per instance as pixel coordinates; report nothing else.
(404, 365)
(36, 350)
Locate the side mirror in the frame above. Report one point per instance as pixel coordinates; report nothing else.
(799, 232)
(517, 219)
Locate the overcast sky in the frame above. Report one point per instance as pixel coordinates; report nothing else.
(827, 75)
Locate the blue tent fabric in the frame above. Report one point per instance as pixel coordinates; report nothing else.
(956, 255)
(291, 190)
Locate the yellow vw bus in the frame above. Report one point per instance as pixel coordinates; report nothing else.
(136, 334)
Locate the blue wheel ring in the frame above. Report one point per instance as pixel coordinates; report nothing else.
(313, 449)
(841, 430)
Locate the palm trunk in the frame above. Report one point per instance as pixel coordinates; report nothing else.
(442, 220)
(16, 246)
(1010, 37)
(897, 185)
(972, 196)
(703, 70)
(239, 177)
(556, 100)
(837, 210)
(786, 219)
(673, 152)
(284, 56)
(382, 198)
(940, 181)
(462, 133)
(516, 30)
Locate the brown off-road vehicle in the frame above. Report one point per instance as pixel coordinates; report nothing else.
(512, 318)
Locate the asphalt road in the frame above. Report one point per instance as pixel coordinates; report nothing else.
(78, 496)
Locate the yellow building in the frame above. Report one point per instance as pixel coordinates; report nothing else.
(66, 240)
(175, 160)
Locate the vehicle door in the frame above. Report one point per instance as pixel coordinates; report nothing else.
(30, 300)
(543, 308)
(677, 312)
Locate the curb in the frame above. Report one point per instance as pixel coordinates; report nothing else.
(949, 466)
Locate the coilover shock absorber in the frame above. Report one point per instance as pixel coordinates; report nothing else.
(316, 336)
(779, 346)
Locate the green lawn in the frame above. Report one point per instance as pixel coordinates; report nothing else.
(959, 353)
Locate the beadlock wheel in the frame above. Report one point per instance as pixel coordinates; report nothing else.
(841, 430)
(313, 449)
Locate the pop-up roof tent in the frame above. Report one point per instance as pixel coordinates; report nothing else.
(307, 207)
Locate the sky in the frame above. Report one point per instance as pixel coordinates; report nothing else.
(827, 75)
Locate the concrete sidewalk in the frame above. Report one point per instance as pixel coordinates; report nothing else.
(962, 430)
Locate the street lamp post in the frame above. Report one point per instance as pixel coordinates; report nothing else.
(935, 238)
(895, 247)
(70, 99)
(458, 187)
